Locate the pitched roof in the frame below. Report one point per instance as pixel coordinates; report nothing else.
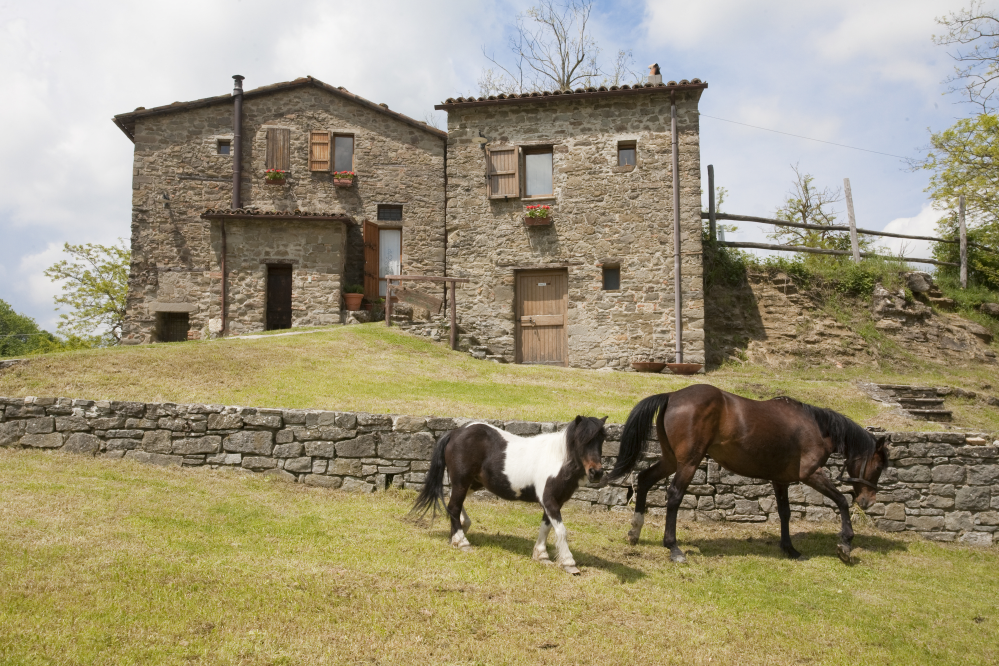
(578, 93)
(126, 121)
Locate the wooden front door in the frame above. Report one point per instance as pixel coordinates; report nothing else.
(278, 297)
(542, 308)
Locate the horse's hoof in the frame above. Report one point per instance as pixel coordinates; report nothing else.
(844, 553)
(677, 556)
(571, 570)
(467, 548)
(633, 539)
(792, 554)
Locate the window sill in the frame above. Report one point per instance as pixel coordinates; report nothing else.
(547, 197)
(627, 168)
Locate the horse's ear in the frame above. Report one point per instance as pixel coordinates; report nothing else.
(579, 419)
(603, 420)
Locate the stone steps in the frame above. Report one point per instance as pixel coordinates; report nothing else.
(921, 402)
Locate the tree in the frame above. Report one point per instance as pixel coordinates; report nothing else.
(95, 288)
(964, 159)
(19, 334)
(808, 204)
(976, 75)
(552, 48)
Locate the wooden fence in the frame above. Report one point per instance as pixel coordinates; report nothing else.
(712, 216)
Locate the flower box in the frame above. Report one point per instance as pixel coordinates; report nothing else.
(275, 176)
(537, 216)
(344, 178)
(537, 221)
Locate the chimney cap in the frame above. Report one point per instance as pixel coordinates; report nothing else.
(654, 69)
(238, 77)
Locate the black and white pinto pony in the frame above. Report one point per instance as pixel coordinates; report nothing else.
(545, 468)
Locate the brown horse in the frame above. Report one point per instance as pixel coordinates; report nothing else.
(781, 440)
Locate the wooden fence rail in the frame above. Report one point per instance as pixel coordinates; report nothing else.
(712, 215)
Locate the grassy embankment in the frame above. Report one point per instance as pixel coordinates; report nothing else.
(373, 368)
(116, 563)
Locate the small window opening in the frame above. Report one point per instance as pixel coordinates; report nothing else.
(173, 326)
(626, 153)
(224, 147)
(343, 153)
(538, 172)
(389, 213)
(612, 278)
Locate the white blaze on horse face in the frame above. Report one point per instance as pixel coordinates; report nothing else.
(531, 461)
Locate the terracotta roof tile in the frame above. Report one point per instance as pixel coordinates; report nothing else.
(555, 95)
(214, 213)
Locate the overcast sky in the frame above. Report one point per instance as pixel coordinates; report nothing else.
(858, 72)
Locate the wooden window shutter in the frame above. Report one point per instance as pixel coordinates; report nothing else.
(319, 151)
(503, 171)
(278, 149)
(370, 260)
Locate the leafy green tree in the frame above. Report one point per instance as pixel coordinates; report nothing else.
(95, 286)
(20, 335)
(964, 159)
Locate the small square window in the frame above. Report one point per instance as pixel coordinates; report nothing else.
(224, 147)
(612, 278)
(626, 153)
(389, 213)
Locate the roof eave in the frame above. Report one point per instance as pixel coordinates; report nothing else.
(560, 96)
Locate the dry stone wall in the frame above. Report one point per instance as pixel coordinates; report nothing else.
(602, 215)
(937, 484)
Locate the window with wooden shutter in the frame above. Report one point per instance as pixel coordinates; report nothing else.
(503, 172)
(278, 149)
(319, 151)
(343, 152)
(538, 177)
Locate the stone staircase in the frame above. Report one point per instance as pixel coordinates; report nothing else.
(922, 402)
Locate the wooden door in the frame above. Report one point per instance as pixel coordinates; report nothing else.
(370, 260)
(278, 297)
(542, 309)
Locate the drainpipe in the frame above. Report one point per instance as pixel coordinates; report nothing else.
(677, 282)
(237, 176)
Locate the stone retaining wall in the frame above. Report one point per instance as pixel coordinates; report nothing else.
(937, 483)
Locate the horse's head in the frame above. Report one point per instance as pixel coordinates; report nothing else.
(585, 440)
(864, 474)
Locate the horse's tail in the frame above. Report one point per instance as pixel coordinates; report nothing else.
(635, 431)
(431, 498)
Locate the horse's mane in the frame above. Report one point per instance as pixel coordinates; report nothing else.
(582, 431)
(850, 439)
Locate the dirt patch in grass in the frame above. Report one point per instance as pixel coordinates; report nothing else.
(115, 563)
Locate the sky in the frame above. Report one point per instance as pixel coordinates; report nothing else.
(863, 73)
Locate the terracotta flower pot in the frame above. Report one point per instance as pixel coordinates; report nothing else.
(343, 182)
(648, 366)
(684, 368)
(274, 181)
(537, 221)
(353, 301)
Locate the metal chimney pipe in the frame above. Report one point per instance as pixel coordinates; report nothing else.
(237, 140)
(677, 278)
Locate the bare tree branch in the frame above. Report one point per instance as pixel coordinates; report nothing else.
(977, 74)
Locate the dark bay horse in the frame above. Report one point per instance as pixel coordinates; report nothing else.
(545, 469)
(781, 440)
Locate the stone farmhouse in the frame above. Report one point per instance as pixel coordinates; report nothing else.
(219, 249)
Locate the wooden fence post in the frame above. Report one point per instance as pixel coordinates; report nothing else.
(964, 243)
(854, 243)
(712, 234)
(388, 302)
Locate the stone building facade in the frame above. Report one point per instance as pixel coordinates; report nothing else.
(595, 286)
(303, 236)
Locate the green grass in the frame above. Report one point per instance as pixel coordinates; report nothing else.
(112, 562)
(378, 369)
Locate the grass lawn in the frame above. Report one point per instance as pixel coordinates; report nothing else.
(113, 562)
(378, 369)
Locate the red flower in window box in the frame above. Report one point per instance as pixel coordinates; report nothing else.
(344, 178)
(538, 215)
(275, 176)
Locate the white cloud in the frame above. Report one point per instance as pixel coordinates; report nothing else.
(923, 224)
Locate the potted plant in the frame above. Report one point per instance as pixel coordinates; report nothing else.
(538, 215)
(275, 176)
(353, 294)
(344, 178)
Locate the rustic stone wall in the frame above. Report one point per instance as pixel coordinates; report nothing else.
(769, 320)
(602, 214)
(177, 175)
(936, 484)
